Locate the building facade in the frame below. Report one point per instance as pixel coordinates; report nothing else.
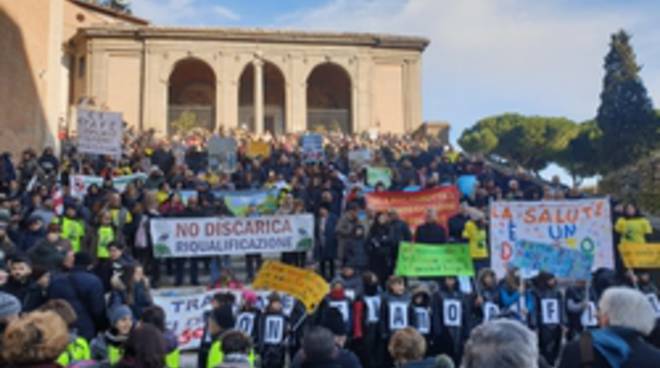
(260, 80)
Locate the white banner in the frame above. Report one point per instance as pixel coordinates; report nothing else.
(583, 225)
(185, 311)
(100, 132)
(199, 237)
(80, 183)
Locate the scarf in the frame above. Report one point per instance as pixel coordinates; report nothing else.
(610, 343)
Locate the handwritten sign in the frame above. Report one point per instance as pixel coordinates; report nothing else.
(583, 225)
(305, 285)
(312, 147)
(561, 262)
(100, 132)
(382, 175)
(416, 259)
(640, 255)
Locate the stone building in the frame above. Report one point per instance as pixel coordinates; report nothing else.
(261, 80)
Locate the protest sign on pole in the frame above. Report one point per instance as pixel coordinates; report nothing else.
(562, 262)
(583, 225)
(412, 206)
(305, 285)
(640, 255)
(257, 148)
(357, 159)
(212, 236)
(377, 175)
(417, 259)
(312, 147)
(238, 201)
(100, 132)
(222, 154)
(80, 183)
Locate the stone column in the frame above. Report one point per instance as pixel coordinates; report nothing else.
(258, 96)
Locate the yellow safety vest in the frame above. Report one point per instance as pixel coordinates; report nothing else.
(172, 360)
(115, 354)
(74, 231)
(76, 351)
(106, 234)
(216, 356)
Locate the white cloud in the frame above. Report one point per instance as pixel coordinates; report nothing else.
(226, 13)
(492, 56)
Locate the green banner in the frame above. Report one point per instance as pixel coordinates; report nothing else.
(416, 259)
(379, 174)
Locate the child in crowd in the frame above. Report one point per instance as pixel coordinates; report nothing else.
(108, 347)
(421, 313)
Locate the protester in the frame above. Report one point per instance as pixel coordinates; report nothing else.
(155, 316)
(144, 348)
(109, 346)
(236, 348)
(408, 350)
(320, 351)
(78, 348)
(625, 317)
(35, 340)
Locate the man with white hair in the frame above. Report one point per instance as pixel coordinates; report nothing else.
(625, 317)
(501, 343)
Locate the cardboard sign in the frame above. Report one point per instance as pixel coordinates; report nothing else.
(417, 259)
(273, 330)
(377, 175)
(422, 320)
(245, 323)
(412, 206)
(212, 236)
(490, 310)
(100, 132)
(583, 225)
(588, 318)
(398, 315)
(373, 308)
(550, 311)
(640, 255)
(305, 285)
(452, 312)
(561, 262)
(357, 159)
(223, 154)
(257, 149)
(312, 147)
(79, 184)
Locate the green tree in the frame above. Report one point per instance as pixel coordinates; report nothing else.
(529, 141)
(625, 116)
(186, 122)
(580, 157)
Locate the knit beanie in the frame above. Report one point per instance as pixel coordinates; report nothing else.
(118, 312)
(334, 321)
(9, 305)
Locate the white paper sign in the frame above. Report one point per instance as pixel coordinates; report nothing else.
(274, 330)
(373, 308)
(100, 132)
(423, 320)
(491, 311)
(245, 323)
(452, 313)
(653, 299)
(588, 317)
(342, 307)
(550, 311)
(398, 315)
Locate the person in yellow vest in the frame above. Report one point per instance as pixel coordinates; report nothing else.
(155, 316)
(237, 350)
(78, 348)
(72, 228)
(476, 233)
(633, 227)
(108, 347)
(221, 322)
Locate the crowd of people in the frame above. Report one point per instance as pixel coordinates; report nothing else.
(76, 273)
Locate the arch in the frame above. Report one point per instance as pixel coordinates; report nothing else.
(274, 90)
(191, 96)
(329, 98)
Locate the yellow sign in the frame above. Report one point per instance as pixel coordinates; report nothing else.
(304, 285)
(640, 255)
(257, 149)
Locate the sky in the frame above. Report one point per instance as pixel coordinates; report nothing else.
(486, 57)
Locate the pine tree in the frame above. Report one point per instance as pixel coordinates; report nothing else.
(625, 116)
